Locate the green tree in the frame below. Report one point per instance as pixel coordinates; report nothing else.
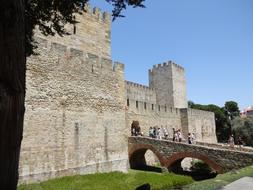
(231, 111)
(18, 18)
(243, 127)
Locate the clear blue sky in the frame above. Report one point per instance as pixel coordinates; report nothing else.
(211, 39)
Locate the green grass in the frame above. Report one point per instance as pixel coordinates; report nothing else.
(221, 180)
(112, 181)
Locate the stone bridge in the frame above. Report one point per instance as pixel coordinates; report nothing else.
(170, 154)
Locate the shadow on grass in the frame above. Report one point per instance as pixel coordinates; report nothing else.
(198, 175)
(149, 168)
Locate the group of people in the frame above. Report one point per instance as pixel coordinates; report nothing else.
(177, 135)
(231, 141)
(191, 138)
(158, 133)
(136, 129)
(162, 133)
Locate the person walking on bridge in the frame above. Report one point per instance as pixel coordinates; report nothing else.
(231, 141)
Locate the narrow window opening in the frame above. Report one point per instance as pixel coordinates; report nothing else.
(74, 31)
(152, 106)
(74, 28)
(158, 107)
(128, 102)
(136, 104)
(145, 105)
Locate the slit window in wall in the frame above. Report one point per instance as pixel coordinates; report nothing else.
(145, 105)
(74, 29)
(74, 26)
(165, 108)
(159, 107)
(171, 109)
(127, 102)
(152, 106)
(136, 104)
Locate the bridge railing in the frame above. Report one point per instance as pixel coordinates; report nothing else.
(213, 145)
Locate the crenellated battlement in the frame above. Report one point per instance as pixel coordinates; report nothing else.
(91, 32)
(96, 13)
(166, 65)
(96, 63)
(137, 85)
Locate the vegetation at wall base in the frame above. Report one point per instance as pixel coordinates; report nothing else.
(221, 180)
(112, 181)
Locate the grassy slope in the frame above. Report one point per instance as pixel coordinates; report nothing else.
(111, 181)
(221, 180)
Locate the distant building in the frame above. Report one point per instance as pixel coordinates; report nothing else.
(247, 112)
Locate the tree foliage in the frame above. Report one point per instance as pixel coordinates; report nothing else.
(243, 127)
(231, 109)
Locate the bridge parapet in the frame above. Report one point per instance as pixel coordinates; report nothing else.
(169, 152)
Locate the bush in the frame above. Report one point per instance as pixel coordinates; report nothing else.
(200, 165)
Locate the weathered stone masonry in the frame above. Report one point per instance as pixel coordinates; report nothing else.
(79, 107)
(170, 154)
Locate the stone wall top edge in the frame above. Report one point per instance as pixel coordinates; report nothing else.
(70, 52)
(137, 85)
(96, 13)
(199, 112)
(166, 64)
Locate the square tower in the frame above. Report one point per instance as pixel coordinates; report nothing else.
(168, 81)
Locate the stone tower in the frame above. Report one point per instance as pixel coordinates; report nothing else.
(168, 81)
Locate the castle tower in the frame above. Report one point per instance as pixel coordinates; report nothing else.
(168, 80)
(91, 33)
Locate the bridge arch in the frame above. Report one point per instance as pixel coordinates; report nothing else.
(137, 156)
(178, 157)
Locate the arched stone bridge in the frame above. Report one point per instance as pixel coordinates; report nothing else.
(170, 154)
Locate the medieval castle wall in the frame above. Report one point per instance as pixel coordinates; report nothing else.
(201, 123)
(75, 109)
(79, 108)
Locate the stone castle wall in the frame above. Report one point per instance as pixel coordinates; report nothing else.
(150, 115)
(79, 108)
(138, 92)
(75, 107)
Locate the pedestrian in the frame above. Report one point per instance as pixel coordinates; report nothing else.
(193, 138)
(165, 132)
(155, 132)
(179, 135)
(159, 133)
(150, 132)
(189, 138)
(174, 134)
(231, 141)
